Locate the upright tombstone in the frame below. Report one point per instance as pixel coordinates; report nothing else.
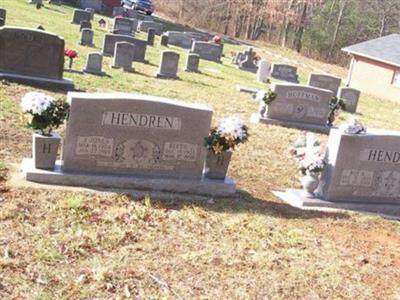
(168, 65)
(91, 11)
(247, 62)
(94, 64)
(3, 14)
(327, 82)
(192, 63)
(179, 39)
(351, 97)
(87, 37)
(132, 13)
(164, 40)
(284, 72)
(85, 25)
(238, 58)
(263, 71)
(124, 26)
(207, 51)
(33, 56)
(145, 25)
(150, 36)
(111, 39)
(299, 106)
(81, 15)
(123, 56)
(119, 11)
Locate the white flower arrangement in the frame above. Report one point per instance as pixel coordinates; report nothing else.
(35, 103)
(354, 127)
(312, 164)
(232, 126)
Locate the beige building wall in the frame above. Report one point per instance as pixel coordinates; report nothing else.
(375, 78)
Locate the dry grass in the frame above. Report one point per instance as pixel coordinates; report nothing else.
(78, 245)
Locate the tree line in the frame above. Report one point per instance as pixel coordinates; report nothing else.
(315, 28)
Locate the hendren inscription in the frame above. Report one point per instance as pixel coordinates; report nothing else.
(302, 95)
(380, 156)
(141, 120)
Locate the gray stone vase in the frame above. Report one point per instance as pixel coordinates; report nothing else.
(217, 164)
(310, 183)
(44, 150)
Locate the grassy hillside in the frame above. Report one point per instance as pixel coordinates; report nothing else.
(68, 244)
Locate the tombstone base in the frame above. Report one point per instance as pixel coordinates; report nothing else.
(296, 198)
(128, 70)
(40, 81)
(87, 45)
(290, 124)
(201, 186)
(247, 89)
(165, 76)
(101, 73)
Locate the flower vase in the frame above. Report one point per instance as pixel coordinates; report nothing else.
(44, 150)
(71, 61)
(217, 164)
(262, 109)
(310, 183)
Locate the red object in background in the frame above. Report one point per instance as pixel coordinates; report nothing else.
(217, 39)
(70, 53)
(112, 3)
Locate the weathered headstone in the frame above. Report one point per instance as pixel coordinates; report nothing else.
(168, 65)
(132, 13)
(263, 71)
(179, 39)
(158, 27)
(85, 25)
(91, 11)
(192, 63)
(362, 168)
(123, 56)
(119, 11)
(3, 15)
(327, 82)
(207, 51)
(80, 15)
(124, 26)
(351, 97)
(247, 62)
(111, 39)
(299, 106)
(164, 40)
(36, 56)
(87, 37)
(150, 36)
(284, 72)
(94, 64)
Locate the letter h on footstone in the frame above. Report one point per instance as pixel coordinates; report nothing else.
(123, 56)
(168, 65)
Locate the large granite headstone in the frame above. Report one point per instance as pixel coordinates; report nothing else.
(28, 55)
(123, 56)
(351, 97)
(284, 72)
(111, 39)
(158, 27)
(207, 51)
(327, 82)
(179, 39)
(94, 64)
(299, 106)
(168, 65)
(124, 26)
(87, 37)
(81, 15)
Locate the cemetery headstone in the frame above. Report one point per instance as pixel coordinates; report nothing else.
(238, 58)
(91, 11)
(284, 72)
(158, 27)
(351, 97)
(192, 63)
(123, 56)
(299, 106)
(207, 51)
(164, 40)
(327, 82)
(132, 13)
(179, 39)
(94, 64)
(111, 39)
(148, 18)
(247, 62)
(150, 36)
(168, 65)
(29, 55)
(124, 26)
(80, 15)
(119, 11)
(87, 37)
(85, 25)
(263, 71)
(3, 14)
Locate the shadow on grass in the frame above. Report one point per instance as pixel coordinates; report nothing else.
(49, 7)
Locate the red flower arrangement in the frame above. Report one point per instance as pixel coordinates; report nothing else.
(71, 54)
(217, 39)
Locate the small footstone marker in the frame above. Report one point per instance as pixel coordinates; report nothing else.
(164, 40)
(123, 56)
(150, 36)
(168, 65)
(94, 64)
(192, 63)
(87, 37)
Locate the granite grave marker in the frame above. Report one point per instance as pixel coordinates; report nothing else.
(192, 63)
(94, 64)
(351, 97)
(207, 51)
(81, 15)
(123, 56)
(327, 82)
(111, 39)
(168, 65)
(284, 72)
(87, 37)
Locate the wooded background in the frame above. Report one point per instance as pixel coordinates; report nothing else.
(315, 28)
